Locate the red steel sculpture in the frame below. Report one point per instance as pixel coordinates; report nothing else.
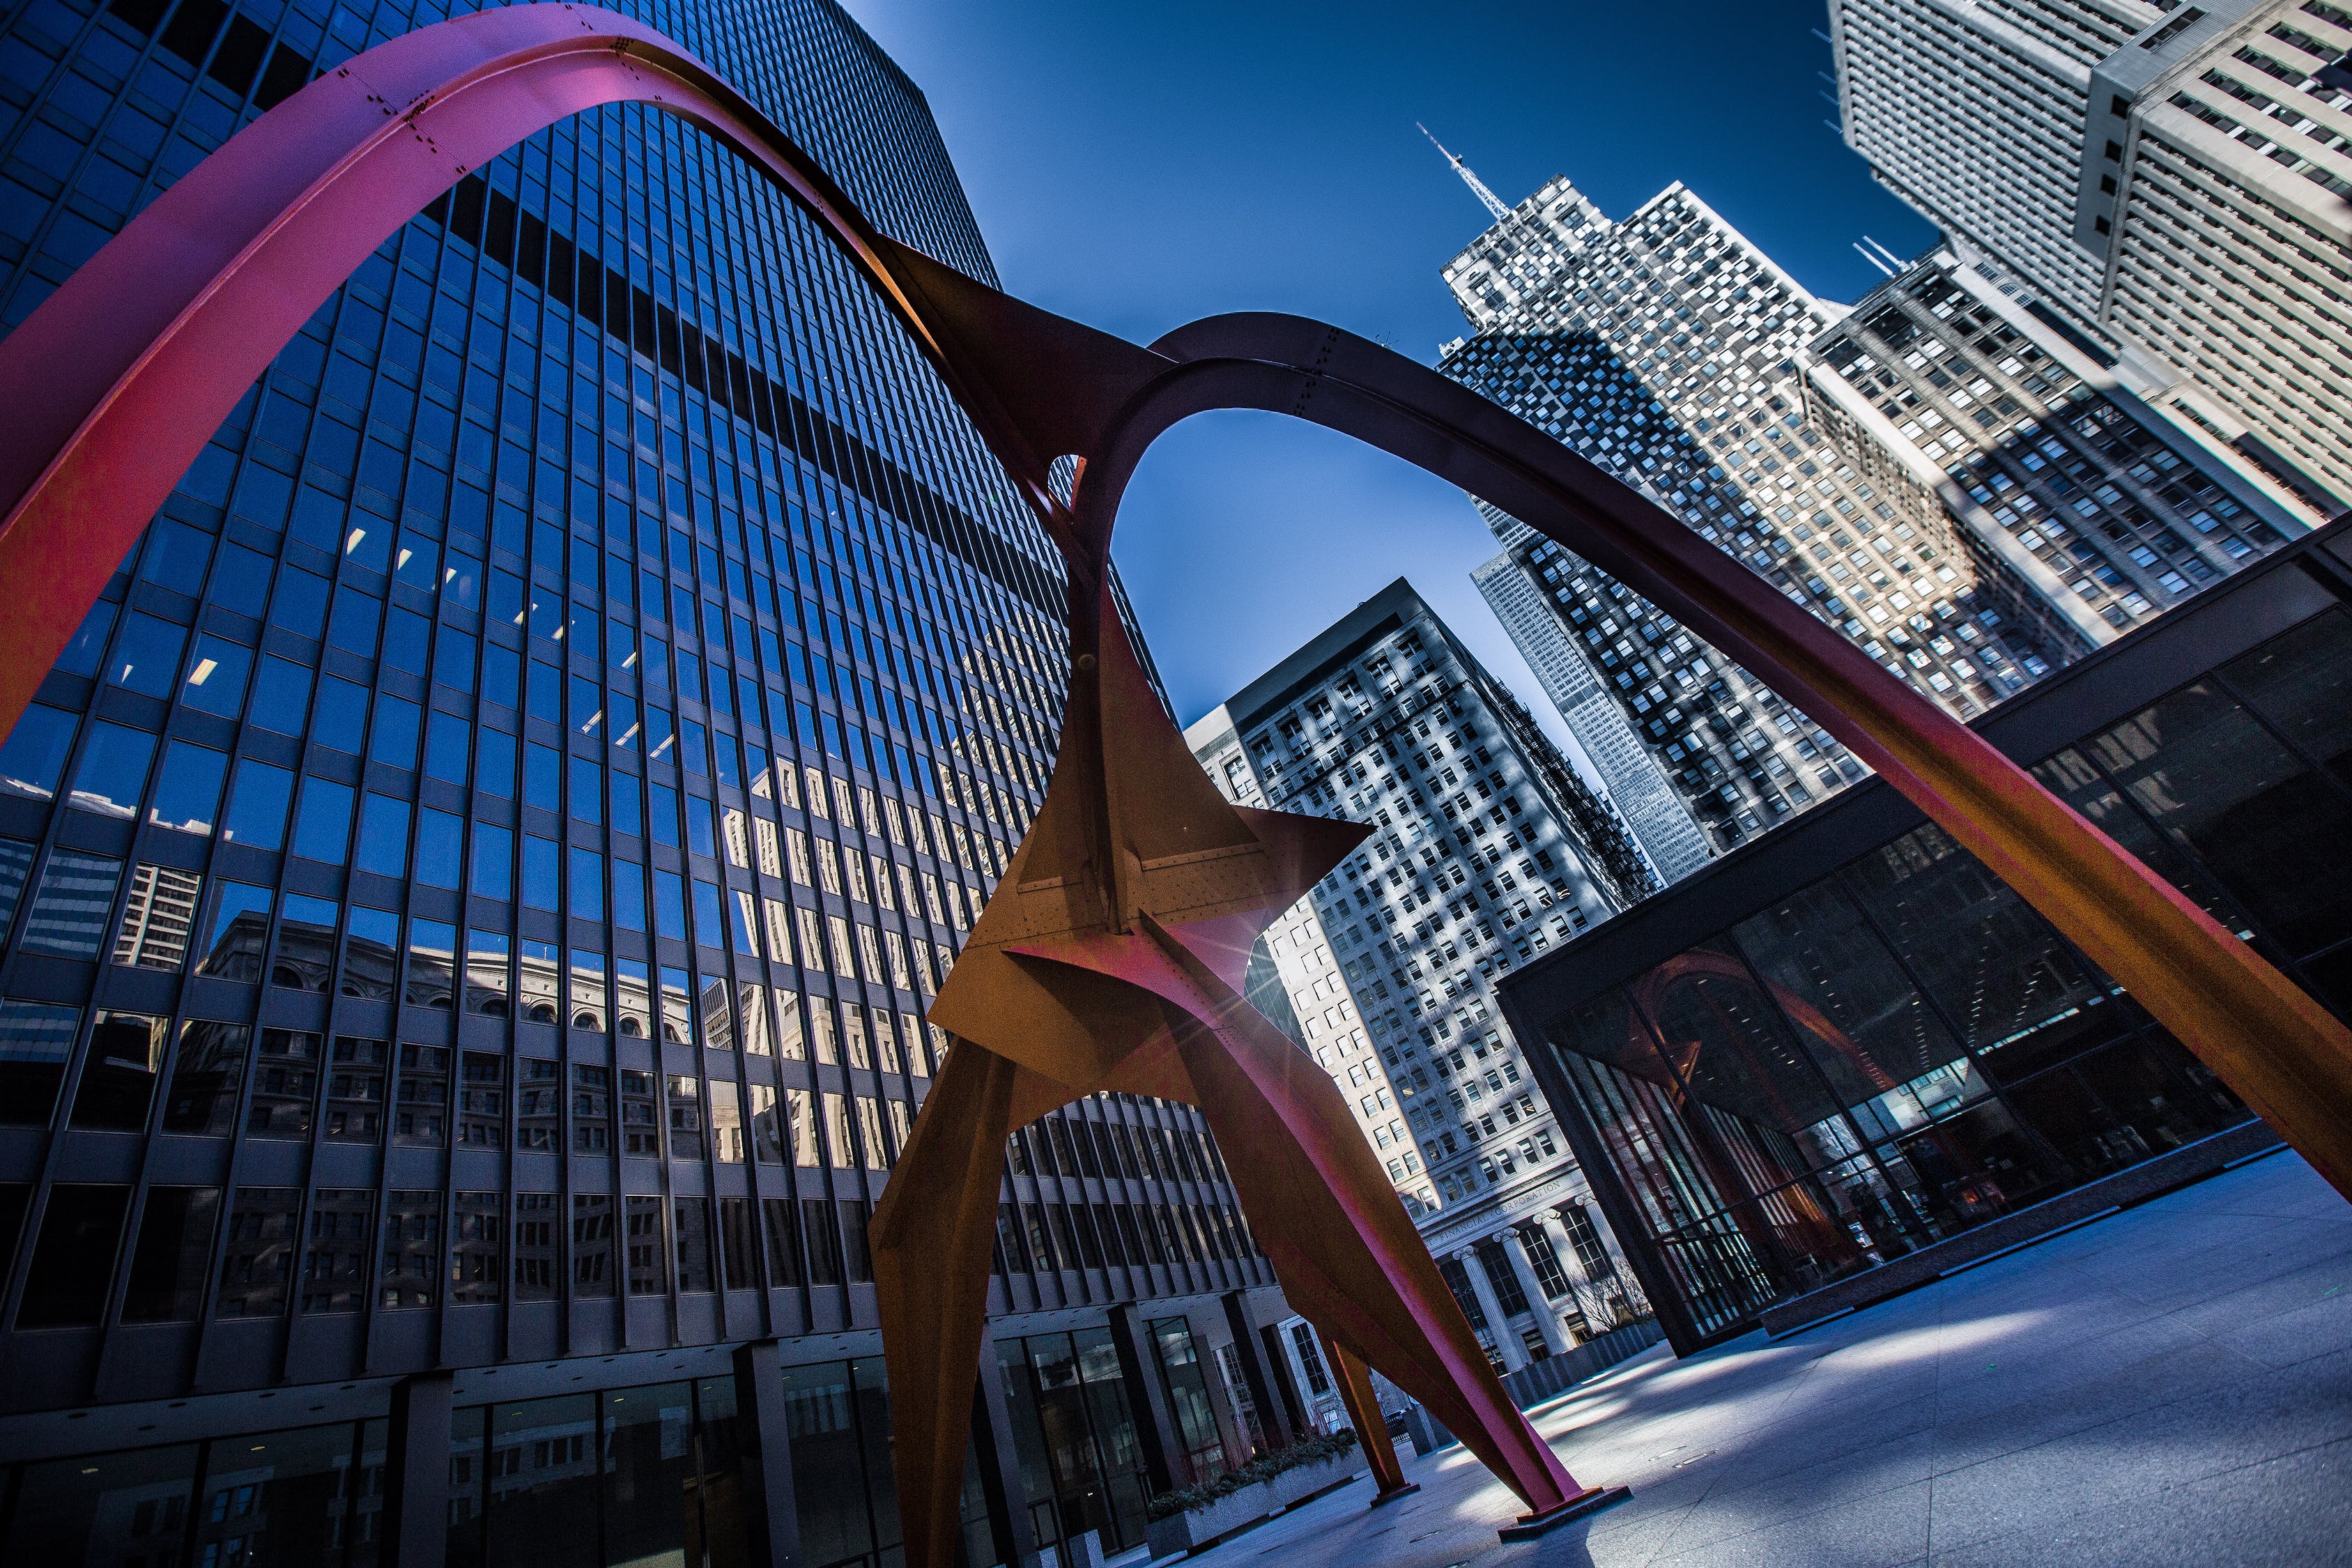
(1111, 956)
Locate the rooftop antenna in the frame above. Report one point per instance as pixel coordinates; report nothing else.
(1882, 250)
(1486, 199)
(1873, 260)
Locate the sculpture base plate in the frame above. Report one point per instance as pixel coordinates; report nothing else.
(1393, 1493)
(1527, 1526)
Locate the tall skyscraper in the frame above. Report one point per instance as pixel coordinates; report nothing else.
(1487, 848)
(2021, 433)
(470, 891)
(2171, 179)
(1946, 475)
(1614, 756)
(1669, 350)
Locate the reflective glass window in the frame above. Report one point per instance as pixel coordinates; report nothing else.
(207, 1078)
(322, 821)
(217, 672)
(281, 695)
(187, 796)
(146, 656)
(172, 1261)
(33, 754)
(112, 773)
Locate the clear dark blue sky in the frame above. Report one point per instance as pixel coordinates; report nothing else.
(1138, 164)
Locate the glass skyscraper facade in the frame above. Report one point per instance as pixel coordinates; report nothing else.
(471, 889)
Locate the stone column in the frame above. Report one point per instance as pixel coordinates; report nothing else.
(416, 1472)
(1276, 1407)
(1165, 1467)
(772, 1520)
(1000, 1462)
(1498, 1326)
(1547, 1319)
(1572, 1263)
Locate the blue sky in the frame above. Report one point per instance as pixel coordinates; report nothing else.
(1136, 166)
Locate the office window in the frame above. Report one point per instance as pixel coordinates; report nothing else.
(738, 1244)
(482, 1101)
(539, 1105)
(592, 1240)
(411, 1267)
(33, 755)
(820, 1230)
(727, 1121)
(649, 1257)
(257, 1262)
(73, 1256)
(207, 1078)
(421, 1113)
(158, 918)
(476, 1249)
(322, 821)
(217, 672)
(336, 1243)
(257, 805)
(187, 796)
(72, 904)
(120, 1070)
(172, 1260)
(692, 1219)
(537, 1265)
(357, 1072)
(146, 654)
(783, 1231)
(285, 1085)
(592, 1109)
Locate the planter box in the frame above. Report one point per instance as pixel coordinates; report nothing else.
(1185, 1532)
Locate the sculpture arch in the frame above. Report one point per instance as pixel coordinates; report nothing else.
(1111, 956)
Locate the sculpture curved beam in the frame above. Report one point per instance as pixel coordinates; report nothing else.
(2284, 1054)
(111, 389)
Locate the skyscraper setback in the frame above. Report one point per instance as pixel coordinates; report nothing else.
(1668, 349)
(469, 892)
(2168, 180)
(1948, 478)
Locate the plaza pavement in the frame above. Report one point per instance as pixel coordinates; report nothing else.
(2170, 1385)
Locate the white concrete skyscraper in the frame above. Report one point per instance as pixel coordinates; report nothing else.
(2171, 179)
(1487, 850)
(1670, 351)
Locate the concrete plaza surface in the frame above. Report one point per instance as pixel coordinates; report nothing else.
(2170, 1385)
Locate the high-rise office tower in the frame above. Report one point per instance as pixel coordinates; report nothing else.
(1487, 848)
(2171, 179)
(470, 891)
(2022, 432)
(1612, 754)
(1669, 350)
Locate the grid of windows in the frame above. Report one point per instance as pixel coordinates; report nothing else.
(529, 779)
(2126, 522)
(1487, 850)
(1668, 350)
(2170, 178)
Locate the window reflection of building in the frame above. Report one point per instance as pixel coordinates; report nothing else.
(1898, 1049)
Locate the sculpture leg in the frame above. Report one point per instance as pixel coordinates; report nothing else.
(930, 1237)
(1372, 1427)
(1347, 1254)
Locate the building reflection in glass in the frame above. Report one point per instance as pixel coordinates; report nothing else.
(1902, 1049)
